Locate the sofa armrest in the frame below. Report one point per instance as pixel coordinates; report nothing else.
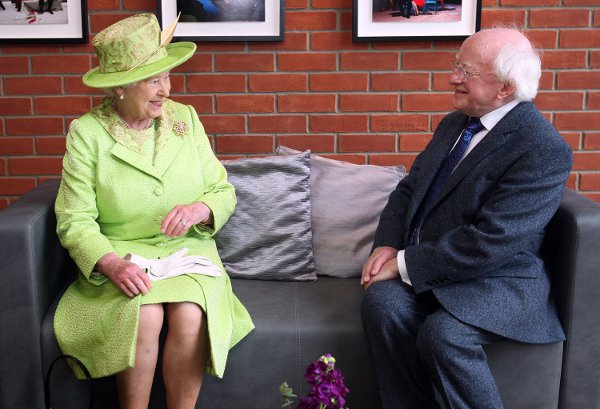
(574, 259)
(32, 272)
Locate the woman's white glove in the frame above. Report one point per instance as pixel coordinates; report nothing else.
(174, 265)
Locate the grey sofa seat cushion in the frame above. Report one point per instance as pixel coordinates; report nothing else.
(296, 323)
(527, 375)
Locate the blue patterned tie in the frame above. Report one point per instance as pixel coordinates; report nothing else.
(473, 126)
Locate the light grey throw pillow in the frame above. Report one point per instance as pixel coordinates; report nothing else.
(346, 201)
(269, 235)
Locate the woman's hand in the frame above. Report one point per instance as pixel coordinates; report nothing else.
(127, 276)
(374, 266)
(182, 217)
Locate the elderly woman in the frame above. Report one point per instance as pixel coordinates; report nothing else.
(141, 197)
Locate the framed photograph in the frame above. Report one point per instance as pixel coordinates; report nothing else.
(224, 20)
(43, 21)
(393, 20)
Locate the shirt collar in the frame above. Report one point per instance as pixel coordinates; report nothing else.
(490, 119)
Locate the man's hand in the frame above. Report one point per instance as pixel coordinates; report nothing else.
(389, 271)
(381, 265)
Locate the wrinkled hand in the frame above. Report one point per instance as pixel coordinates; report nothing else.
(388, 271)
(127, 276)
(381, 265)
(182, 217)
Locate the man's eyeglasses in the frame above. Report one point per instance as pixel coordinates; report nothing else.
(466, 71)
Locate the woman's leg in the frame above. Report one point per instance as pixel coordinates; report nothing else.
(185, 354)
(135, 383)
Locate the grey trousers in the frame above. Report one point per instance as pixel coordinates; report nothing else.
(416, 344)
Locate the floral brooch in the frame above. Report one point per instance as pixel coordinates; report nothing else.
(180, 128)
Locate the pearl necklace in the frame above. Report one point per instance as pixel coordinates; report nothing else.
(126, 125)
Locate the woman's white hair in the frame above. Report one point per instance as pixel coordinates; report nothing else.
(112, 91)
(519, 65)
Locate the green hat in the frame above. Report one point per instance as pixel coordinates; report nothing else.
(134, 49)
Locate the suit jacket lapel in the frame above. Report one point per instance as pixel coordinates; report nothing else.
(169, 138)
(134, 159)
(168, 142)
(167, 154)
(126, 148)
(431, 165)
(497, 136)
(162, 161)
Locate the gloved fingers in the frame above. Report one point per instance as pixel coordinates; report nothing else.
(169, 274)
(200, 260)
(165, 264)
(201, 266)
(197, 269)
(171, 266)
(213, 271)
(183, 264)
(177, 255)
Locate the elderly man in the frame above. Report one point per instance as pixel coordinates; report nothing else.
(456, 262)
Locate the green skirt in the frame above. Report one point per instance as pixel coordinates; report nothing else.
(98, 324)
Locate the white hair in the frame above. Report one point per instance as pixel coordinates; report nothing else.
(111, 90)
(520, 66)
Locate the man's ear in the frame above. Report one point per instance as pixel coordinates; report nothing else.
(506, 91)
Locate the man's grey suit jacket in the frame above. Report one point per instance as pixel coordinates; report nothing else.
(479, 249)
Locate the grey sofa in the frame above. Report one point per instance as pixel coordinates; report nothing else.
(296, 322)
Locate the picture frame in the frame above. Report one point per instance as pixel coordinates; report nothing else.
(21, 22)
(227, 22)
(394, 20)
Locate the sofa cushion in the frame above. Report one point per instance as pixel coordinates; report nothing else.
(269, 235)
(346, 201)
(296, 323)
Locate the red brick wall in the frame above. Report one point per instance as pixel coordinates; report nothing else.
(361, 102)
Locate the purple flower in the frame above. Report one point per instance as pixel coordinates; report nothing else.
(316, 372)
(328, 390)
(309, 402)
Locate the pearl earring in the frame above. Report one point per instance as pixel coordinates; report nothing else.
(121, 97)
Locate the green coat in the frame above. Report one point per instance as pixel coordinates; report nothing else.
(117, 187)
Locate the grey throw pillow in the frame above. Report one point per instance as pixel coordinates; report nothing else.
(346, 201)
(269, 235)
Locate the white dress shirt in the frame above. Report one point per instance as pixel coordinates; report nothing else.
(489, 120)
